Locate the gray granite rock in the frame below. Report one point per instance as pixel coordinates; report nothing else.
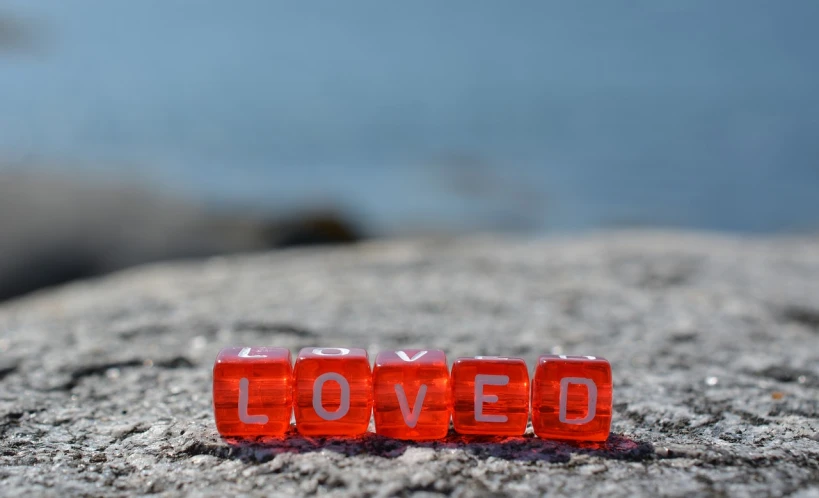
(714, 343)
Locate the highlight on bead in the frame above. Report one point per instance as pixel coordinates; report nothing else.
(410, 394)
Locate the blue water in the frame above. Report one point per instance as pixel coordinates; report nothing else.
(501, 115)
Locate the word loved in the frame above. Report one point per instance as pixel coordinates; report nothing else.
(410, 393)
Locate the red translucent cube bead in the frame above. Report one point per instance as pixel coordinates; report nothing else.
(333, 391)
(252, 391)
(490, 396)
(571, 398)
(412, 394)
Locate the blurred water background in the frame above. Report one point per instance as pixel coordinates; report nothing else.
(526, 116)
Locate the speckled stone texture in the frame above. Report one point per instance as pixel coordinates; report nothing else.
(713, 340)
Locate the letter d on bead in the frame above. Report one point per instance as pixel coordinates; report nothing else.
(564, 397)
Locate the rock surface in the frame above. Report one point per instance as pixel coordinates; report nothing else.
(714, 343)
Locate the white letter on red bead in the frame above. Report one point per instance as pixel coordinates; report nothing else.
(244, 388)
(481, 398)
(343, 407)
(564, 395)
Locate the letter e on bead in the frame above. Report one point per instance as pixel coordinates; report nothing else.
(481, 398)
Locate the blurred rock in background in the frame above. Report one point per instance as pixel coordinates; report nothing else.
(18, 34)
(57, 228)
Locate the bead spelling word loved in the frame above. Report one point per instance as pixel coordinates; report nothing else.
(411, 394)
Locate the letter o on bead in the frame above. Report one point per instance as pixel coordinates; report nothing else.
(323, 351)
(343, 407)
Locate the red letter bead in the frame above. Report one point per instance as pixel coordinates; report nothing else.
(411, 394)
(252, 391)
(490, 396)
(571, 398)
(333, 391)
